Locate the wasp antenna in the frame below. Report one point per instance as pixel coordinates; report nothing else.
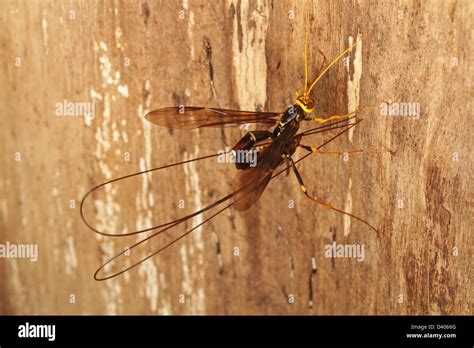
(333, 62)
(306, 47)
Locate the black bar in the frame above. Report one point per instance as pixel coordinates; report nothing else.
(194, 330)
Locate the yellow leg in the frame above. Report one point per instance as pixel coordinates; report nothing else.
(334, 117)
(314, 149)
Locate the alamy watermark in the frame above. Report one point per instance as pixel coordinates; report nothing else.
(238, 156)
(13, 251)
(28, 330)
(355, 251)
(408, 109)
(69, 108)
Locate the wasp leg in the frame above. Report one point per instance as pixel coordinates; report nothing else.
(314, 149)
(334, 117)
(320, 201)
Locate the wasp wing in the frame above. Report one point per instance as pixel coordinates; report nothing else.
(192, 117)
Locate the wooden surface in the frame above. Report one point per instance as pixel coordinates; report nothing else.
(131, 57)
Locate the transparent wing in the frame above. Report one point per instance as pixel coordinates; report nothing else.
(191, 117)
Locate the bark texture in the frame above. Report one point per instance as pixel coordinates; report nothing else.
(131, 57)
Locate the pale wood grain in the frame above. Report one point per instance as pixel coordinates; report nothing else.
(418, 52)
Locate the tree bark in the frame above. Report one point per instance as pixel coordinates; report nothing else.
(131, 57)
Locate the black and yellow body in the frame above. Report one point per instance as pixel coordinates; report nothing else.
(284, 132)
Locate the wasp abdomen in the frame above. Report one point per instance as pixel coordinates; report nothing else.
(244, 150)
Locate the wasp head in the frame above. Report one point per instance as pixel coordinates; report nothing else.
(306, 103)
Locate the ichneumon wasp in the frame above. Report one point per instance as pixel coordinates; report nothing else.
(275, 144)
